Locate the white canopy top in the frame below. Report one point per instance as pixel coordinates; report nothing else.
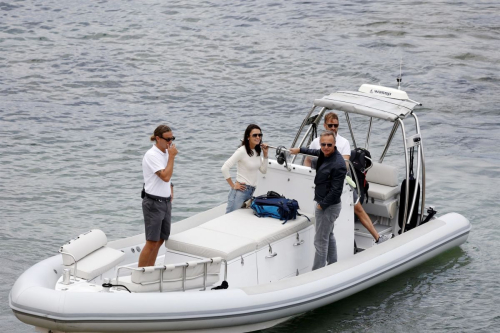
(370, 103)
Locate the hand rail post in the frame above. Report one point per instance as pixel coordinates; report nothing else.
(75, 269)
(205, 273)
(355, 179)
(407, 187)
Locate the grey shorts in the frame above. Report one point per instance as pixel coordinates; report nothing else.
(157, 219)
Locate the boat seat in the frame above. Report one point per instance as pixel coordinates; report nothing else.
(383, 190)
(92, 255)
(149, 279)
(234, 234)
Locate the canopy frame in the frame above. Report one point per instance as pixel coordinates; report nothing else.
(374, 106)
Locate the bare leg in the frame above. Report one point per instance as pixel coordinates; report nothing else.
(153, 255)
(365, 220)
(149, 253)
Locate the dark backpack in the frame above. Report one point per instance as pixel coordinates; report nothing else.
(276, 206)
(361, 163)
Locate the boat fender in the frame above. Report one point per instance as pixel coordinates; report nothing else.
(412, 183)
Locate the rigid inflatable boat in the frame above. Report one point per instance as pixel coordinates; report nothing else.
(93, 285)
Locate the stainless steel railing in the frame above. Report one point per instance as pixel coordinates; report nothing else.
(184, 271)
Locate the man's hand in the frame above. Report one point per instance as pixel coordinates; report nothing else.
(172, 193)
(319, 207)
(294, 151)
(172, 150)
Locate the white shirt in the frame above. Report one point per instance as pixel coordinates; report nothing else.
(246, 171)
(341, 143)
(153, 161)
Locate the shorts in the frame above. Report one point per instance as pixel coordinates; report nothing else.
(157, 219)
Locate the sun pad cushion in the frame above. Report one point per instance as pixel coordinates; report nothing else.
(233, 235)
(98, 262)
(209, 243)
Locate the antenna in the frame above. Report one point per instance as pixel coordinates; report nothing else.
(400, 77)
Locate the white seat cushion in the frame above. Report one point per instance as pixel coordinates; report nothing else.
(383, 174)
(209, 243)
(97, 263)
(382, 192)
(263, 230)
(381, 208)
(234, 234)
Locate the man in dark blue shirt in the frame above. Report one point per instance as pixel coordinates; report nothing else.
(330, 176)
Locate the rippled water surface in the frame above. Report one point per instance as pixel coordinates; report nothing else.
(84, 83)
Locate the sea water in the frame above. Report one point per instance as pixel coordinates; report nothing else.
(83, 84)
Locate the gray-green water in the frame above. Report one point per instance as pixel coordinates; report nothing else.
(84, 83)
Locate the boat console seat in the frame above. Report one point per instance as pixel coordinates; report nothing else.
(383, 190)
(148, 280)
(234, 234)
(92, 255)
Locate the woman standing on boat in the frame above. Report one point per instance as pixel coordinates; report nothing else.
(249, 163)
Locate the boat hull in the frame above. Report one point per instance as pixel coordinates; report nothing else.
(35, 302)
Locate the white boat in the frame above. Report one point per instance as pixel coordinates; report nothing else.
(267, 264)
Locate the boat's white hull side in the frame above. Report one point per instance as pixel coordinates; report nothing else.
(35, 301)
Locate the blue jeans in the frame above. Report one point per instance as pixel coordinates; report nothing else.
(324, 240)
(236, 198)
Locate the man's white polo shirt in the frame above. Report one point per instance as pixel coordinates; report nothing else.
(153, 161)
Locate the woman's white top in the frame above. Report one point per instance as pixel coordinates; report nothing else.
(246, 170)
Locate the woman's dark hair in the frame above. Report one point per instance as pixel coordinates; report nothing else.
(246, 142)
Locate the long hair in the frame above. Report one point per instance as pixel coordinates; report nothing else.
(159, 132)
(246, 142)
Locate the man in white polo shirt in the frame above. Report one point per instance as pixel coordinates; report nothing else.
(157, 169)
(332, 124)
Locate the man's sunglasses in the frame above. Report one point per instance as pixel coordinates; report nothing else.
(259, 135)
(332, 125)
(168, 139)
(326, 144)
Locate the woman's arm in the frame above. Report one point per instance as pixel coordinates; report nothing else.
(228, 165)
(264, 161)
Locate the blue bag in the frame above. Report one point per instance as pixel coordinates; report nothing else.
(275, 206)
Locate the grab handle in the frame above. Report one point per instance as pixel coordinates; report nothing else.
(299, 241)
(271, 253)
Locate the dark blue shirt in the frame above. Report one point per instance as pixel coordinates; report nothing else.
(330, 177)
